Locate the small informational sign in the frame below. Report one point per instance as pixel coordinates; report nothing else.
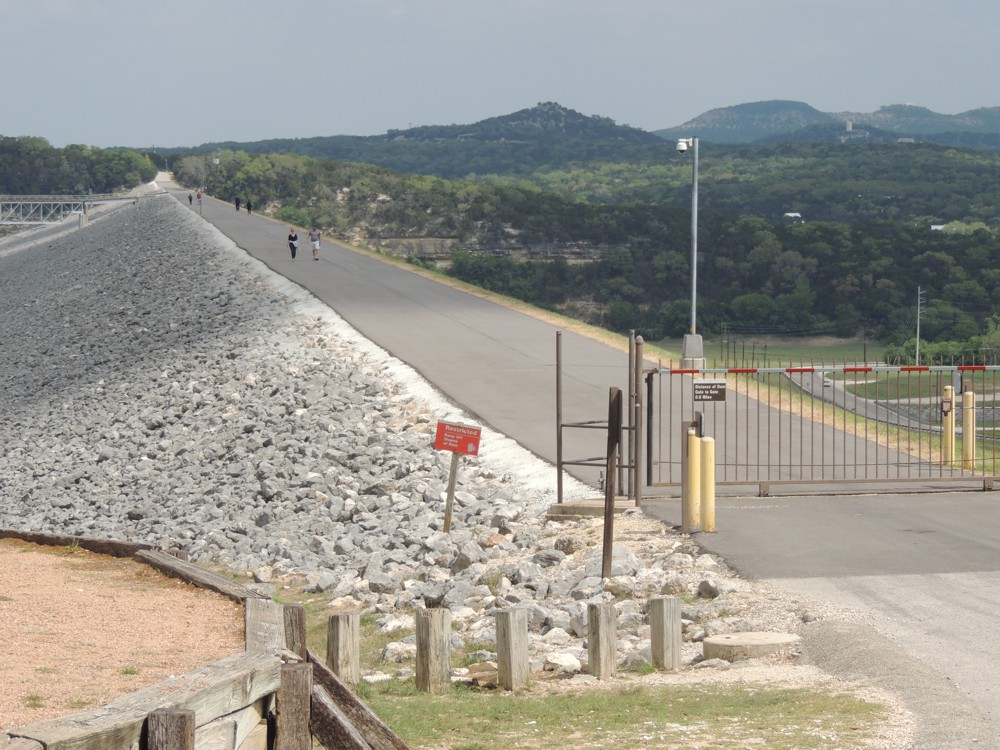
(458, 438)
(709, 390)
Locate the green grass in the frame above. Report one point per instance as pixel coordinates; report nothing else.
(724, 717)
(34, 700)
(782, 351)
(622, 714)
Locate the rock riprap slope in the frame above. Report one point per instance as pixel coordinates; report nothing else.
(158, 385)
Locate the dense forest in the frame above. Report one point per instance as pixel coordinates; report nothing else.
(31, 166)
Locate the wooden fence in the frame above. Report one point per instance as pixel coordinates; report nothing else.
(277, 695)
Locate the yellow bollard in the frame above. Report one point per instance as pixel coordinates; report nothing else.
(968, 430)
(691, 519)
(708, 484)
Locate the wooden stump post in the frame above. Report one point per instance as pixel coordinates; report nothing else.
(292, 709)
(295, 630)
(343, 646)
(433, 650)
(512, 648)
(602, 640)
(665, 631)
(170, 729)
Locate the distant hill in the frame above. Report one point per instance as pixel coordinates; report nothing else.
(545, 135)
(795, 121)
(552, 138)
(747, 123)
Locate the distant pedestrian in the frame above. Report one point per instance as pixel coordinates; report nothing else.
(190, 199)
(293, 241)
(237, 201)
(199, 197)
(314, 239)
(249, 206)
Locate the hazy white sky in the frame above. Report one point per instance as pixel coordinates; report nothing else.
(185, 72)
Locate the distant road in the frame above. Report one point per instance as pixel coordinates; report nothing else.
(497, 363)
(926, 567)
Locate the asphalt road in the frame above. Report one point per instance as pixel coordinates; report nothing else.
(924, 567)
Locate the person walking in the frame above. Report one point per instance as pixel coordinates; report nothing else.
(293, 241)
(314, 239)
(237, 202)
(249, 206)
(190, 200)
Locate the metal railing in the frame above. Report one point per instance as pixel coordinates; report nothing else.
(825, 424)
(50, 209)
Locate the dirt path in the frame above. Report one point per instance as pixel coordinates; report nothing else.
(80, 628)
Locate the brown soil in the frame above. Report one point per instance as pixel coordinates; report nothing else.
(80, 628)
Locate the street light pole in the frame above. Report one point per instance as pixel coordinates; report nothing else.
(692, 350)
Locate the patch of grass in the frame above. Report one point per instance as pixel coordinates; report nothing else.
(33, 700)
(640, 668)
(492, 582)
(46, 670)
(72, 548)
(130, 671)
(724, 717)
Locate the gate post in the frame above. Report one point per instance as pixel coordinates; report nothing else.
(948, 426)
(637, 474)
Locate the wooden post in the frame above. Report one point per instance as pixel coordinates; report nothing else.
(602, 640)
(450, 499)
(512, 648)
(170, 729)
(665, 631)
(433, 650)
(614, 450)
(295, 630)
(343, 646)
(291, 731)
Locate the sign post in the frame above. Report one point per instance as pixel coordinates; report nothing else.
(460, 439)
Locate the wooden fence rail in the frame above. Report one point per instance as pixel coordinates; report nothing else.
(277, 695)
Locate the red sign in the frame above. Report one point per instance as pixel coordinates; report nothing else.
(458, 438)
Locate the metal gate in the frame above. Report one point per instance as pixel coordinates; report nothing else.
(824, 424)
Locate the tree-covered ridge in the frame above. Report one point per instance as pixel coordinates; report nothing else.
(917, 183)
(514, 144)
(828, 276)
(31, 166)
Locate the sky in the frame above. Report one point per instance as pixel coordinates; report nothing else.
(144, 73)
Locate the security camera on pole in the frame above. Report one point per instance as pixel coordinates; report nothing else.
(692, 350)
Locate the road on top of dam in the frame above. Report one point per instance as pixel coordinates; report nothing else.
(925, 567)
